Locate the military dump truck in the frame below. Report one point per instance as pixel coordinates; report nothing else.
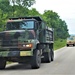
(70, 41)
(26, 40)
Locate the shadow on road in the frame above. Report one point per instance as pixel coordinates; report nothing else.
(22, 67)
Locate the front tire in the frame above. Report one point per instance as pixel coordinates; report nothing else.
(36, 59)
(2, 63)
(67, 45)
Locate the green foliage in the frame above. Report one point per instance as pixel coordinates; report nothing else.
(17, 8)
(53, 20)
(59, 43)
(23, 3)
(33, 12)
(19, 11)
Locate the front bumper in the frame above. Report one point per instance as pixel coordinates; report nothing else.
(70, 43)
(15, 53)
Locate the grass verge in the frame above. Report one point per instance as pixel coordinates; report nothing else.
(59, 44)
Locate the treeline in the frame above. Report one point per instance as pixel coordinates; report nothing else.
(17, 8)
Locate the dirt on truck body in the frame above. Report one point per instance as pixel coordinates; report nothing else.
(26, 40)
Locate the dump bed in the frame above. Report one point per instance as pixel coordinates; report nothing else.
(46, 35)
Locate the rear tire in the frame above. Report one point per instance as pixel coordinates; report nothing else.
(47, 57)
(73, 45)
(2, 63)
(36, 59)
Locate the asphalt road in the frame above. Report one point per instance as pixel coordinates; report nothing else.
(64, 64)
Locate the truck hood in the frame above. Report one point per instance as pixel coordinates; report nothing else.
(18, 33)
(12, 37)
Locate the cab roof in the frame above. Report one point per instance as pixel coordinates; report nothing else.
(34, 17)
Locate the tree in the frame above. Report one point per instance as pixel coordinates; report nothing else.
(5, 7)
(33, 12)
(24, 3)
(53, 20)
(19, 11)
(20, 7)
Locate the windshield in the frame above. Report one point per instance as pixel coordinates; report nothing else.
(20, 25)
(71, 38)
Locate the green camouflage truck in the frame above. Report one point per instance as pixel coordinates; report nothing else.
(26, 40)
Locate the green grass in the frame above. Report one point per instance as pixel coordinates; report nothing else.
(59, 44)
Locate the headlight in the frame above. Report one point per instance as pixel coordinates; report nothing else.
(28, 45)
(24, 46)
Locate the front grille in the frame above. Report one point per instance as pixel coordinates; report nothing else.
(7, 40)
(8, 43)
